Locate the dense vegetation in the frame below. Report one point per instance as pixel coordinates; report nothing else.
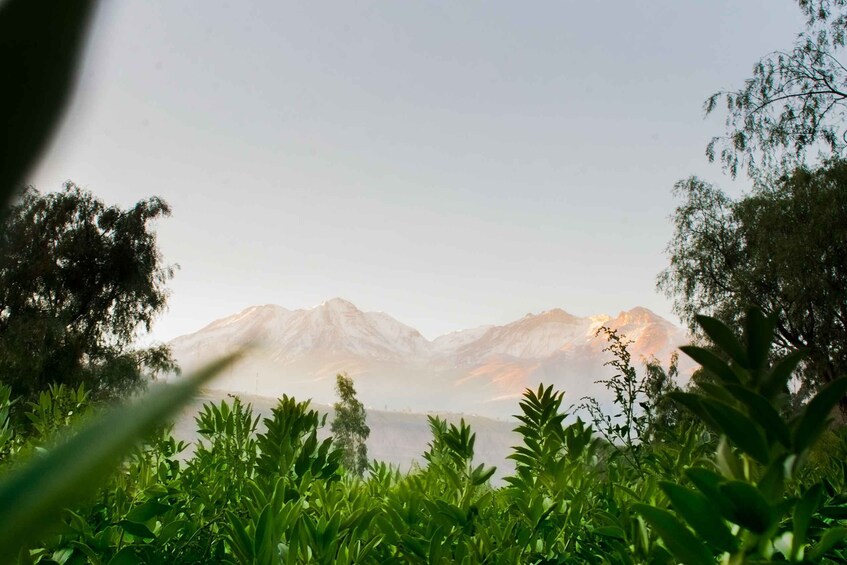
(748, 485)
(77, 279)
(731, 470)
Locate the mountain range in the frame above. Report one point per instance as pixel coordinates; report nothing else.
(476, 371)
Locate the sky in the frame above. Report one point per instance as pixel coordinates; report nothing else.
(453, 164)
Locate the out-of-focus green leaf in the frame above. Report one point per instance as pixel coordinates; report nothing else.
(763, 412)
(777, 380)
(759, 332)
(145, 511)
(40, 44)
(711, 363)
(126, 556)
(677, 538)
(723, 337)
(749, 508)
(694, 402)
(816, 413)
(137, 529)
(739, 428)
(31, 497)
(726, 460)
(701, 514)
(717, 391)
(831, 537)
(803, 512)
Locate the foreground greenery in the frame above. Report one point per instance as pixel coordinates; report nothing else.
(756, 485)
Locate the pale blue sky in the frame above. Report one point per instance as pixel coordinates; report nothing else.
(450, 163)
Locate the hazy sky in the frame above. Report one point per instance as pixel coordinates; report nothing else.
(450, 163)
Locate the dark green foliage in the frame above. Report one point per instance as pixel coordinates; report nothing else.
(32, 496)
(282, 496)
(759, 458)
(77, 280)
(781, 249)
(349, 429)
(795, 101)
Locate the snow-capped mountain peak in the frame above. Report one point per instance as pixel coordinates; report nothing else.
(480, 370)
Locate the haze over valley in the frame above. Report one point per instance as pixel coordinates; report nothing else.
(479, 371)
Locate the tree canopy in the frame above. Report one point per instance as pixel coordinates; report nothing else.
(349, 428)
(781, 249)
(78, 279)
(795, 101)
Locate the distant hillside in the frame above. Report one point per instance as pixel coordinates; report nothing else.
(477, 371)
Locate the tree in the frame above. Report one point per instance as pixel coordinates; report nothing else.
(77, 280)
(783, 249)
(349, 428)
(795, 101)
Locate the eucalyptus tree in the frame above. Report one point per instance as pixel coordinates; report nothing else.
(78, 279)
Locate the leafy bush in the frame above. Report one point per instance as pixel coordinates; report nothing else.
(750, 487)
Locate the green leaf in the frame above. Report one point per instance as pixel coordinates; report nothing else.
(726, 460)
(816, 413)
(148, 510)
(759, 332)
(763, 412)
(694, 402)
(739, 428)
(723, 337)
(40, 44)
(92, 556)
(31, 497)
(701, 514)
(611, 532)
(803, 512)
(136, 529)
(830, 538)
(711, 363)
(777, 380)
(126, 556)
(717, 391)
(480, 475)
(749, 509)
(677, 538)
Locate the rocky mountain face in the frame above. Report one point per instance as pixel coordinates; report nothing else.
(477, 371)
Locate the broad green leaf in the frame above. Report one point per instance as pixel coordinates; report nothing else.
(759, 333)
(31, 497)
(763, 412)
(723, 337)
(816, 413)
(726, 460)
(148, 510)
(480, 475)
(749, 509)
(828, 540)
(239, 539)
(40, 44)
(611, 532)
(711, 363)
(717, 391)
(803, 512)
(677, 538)
(694, 402)
(137, 529)
(777, 380)
(739, 428)
(772, 483)
(126, 556)
(92, 556)
(701, 514)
